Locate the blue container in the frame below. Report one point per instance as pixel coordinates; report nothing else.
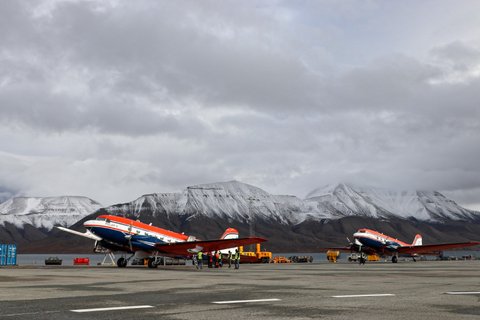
(11, 254)
(3, 260)
(3, 255)
(8, 254)
(13, 251)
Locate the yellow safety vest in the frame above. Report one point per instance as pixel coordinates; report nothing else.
(199, 255)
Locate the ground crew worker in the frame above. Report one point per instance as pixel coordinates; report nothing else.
(194, 260)
(230, 257)
(220, 259)
(214, 259)
(217, 263)
(237, 259)
(200, 260)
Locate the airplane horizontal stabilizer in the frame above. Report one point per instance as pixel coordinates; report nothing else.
(189, 247)
(87, 234)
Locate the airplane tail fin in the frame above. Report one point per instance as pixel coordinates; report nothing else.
(417, 241)
(230, 233)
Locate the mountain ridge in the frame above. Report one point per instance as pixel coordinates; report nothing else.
(46, 212)
(325, 217)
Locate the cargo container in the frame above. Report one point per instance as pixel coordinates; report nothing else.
(81, 261)
(8, 254)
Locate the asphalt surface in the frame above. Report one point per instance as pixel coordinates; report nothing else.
(407, 290)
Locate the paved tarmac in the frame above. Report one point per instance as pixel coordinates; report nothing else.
(407, 290)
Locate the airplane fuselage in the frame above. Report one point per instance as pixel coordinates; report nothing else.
(377, 241)
(148, 242)
(131, 235)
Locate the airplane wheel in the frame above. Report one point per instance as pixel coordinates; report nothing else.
(121, 262)
(394, 259)
(152, 264)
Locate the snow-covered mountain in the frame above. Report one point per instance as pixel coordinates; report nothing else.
(231, 200)
(44, 213)
(242, 202)
(341, 200)
(290, 224)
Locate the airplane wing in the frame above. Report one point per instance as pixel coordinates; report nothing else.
(87, 234)
(341, 249)
(433, 248)
(189, 247)
(353, 248)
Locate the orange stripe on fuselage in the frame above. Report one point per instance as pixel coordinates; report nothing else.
(145, 226)
(370, 231)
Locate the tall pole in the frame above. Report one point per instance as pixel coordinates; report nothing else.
(251, 216)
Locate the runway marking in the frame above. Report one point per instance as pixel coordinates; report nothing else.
(245, 301)
(111, 309)
(365, 295)
(26, 313)
(462, 292)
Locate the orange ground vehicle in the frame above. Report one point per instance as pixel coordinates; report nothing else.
(280, 259)
(255, 257)
(333, 255)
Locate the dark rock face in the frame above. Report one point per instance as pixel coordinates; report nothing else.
(308, 236)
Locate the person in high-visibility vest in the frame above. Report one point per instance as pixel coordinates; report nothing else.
(237, 259)
(200, 259)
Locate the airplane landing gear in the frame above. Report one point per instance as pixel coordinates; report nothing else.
(394, 259)
(122, 262)
(152, 263)
(362, 260)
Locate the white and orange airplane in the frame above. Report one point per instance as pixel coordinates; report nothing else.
(373, 242)
(146, 241)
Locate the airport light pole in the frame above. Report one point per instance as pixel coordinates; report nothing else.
(251, 216)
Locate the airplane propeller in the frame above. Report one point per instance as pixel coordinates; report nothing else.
(357, 245)
(129, 238)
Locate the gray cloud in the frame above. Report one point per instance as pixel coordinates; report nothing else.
(115, 99)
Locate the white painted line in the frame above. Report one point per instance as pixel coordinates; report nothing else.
(365, 295)
(245, 301)
(463, 292)
(111, 309)
(27, 313)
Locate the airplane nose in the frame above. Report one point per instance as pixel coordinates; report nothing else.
(88, 223)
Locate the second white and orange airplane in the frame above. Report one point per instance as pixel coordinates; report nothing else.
(373, 242)
(146, 241)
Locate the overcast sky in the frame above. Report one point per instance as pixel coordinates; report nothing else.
(115, 99)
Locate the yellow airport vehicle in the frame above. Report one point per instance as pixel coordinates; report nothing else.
(373, 257)
(333, 255)
(255, 257)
